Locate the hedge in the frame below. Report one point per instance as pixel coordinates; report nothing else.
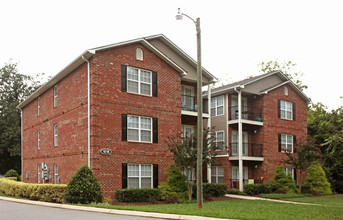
(212, 189)
(136, 195)
(41, 192)
(255, 189)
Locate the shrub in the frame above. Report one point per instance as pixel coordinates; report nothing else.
(12, 173)
(316, 179)
(41, 192)
(176, 184)
(284, 181)
(234, 191)
(339, 186)
(256, 189)
(136, 195)
(171, 199)
(212, 189)
(83, 187)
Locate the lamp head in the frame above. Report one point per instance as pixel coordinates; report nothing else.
(179, 16)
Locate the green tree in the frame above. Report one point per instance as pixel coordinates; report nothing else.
(285, 182)
(184, 149)
(83, 187)
(305, 153)
(14, 88)
(287, 67)
(12, 173)
(316, 179)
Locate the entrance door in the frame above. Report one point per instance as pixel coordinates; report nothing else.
(234, 107)
(235, 143)
(235, 176)
(187, 98)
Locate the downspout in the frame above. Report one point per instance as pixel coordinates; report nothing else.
(21, 143)
(210, 127)
(88, 114)
(240, 138)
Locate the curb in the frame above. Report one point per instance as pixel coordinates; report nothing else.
(110, 211)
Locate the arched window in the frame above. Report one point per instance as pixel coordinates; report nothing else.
(286, 91)
(139, 54)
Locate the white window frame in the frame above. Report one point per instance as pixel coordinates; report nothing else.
(139, 54)
(55, 95)
(38, 139)
(39, 173)
(215, 105)
(217, 141)
(184, 129)
(285, 143)
(289, 171)
(140, 176)
(285, 108)
(139, 82)
(38, 106)
(55, 173)
(140, 129)
(216, 175)
(55, 135)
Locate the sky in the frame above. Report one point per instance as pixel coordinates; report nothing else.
(45, 36)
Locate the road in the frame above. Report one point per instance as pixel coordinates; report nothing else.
(13, 210)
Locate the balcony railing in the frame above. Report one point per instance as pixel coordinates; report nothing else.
(188, 103)
(248, 113)
(249, 149)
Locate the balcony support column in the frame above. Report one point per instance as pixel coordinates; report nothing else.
(240, 141)
(210, 127)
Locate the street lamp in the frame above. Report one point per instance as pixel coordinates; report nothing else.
(179, 16)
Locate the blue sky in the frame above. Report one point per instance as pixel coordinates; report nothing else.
(45, 36)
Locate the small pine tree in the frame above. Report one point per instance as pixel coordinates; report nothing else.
(12, 173)
(285, 182)
(83, 187)
(316, 179)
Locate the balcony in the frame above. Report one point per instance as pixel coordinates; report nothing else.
(253, 152)
(250, 115)
(189, 106)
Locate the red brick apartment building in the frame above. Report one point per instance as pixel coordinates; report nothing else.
(256, 119)
(113, 108)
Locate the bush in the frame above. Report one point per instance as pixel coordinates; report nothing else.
(12, 173)
(316, 179)
(136, 195)
(171, 199)
(40, 192)
(234, 191)
(339, 186)
(284, 181)
(83, 187)
(256, 189)
(176, 184)
(212, 189)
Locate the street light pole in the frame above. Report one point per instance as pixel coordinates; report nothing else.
(199, 110)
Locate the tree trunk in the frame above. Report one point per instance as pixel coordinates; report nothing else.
(190, 190)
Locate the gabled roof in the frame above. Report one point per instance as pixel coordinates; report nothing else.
(91, 52)
(260, 88)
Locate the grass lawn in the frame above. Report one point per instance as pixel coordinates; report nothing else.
(257, 209)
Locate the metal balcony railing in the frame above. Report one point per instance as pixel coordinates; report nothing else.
(249, 149)
(235, 183)
(188, 103)
(248, 113)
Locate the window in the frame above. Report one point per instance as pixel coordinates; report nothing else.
(55, 135)
(38, 106)
(55, 95)
(286, 142)
(55, 173)
(187, 130)
(289, 171)
(286, 91)
(139, 128)
(139, 81)
(220, 140)
(217, 174)
(139, 175)
(38, 173)
(217, 106)
(38, 139)
(139, 54)
(286, 110)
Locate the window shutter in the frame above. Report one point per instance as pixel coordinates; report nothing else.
(294, 143)
(155, 177)
(154, 84)
(124, 175)
(123, 78)
(279, 108)
(294, 112)
(124, 127)
(279, 142)
(155, 130)
(295, 175)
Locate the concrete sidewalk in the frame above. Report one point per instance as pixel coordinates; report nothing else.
(109, 211)
(271, 200)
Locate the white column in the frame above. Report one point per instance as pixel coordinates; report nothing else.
(240, 142)
(209, 126)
